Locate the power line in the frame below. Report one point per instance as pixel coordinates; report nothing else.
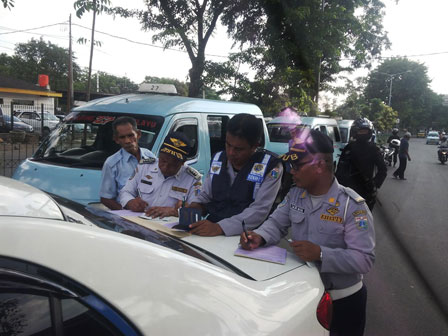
(26, 30)
(142, 43)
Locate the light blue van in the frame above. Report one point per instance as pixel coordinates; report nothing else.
(279, 130)
(68, 163)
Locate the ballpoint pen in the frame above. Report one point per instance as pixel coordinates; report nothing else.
(245, 230)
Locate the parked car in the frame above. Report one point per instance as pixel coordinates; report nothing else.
(71, 269)
(279, 130)
(432, 138)
(18, 124)
(34, 119)
(68, 163)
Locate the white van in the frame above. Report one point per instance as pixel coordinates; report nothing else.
(279, 132)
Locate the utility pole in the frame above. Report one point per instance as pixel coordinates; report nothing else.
(391, 78)
(70, 67)
(91, 51)
(320, 63)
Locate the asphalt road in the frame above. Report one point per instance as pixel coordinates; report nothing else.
(408, 287)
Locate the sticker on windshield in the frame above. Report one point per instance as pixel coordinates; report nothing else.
(102, 120)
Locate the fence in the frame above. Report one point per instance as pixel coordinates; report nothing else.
(16, 146)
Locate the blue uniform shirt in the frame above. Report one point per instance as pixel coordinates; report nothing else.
(117, 169)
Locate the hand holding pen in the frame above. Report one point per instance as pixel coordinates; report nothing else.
(250, 240)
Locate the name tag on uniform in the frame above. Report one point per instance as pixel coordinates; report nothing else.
(257, 173)
(215, 168)
(297, 208)
(182, 190)
(146, 182)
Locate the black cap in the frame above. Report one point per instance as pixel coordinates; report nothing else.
(307, 141)
(176, 144)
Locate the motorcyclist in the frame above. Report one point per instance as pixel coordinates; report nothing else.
(391, 145)
(361, 157)
(443, 144)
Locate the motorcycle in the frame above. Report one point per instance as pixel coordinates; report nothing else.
(443, 154)
(387, 154)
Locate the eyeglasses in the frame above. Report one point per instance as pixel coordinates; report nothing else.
(297, 166)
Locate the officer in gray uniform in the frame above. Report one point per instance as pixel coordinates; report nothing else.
(160, 186)
(331, 225)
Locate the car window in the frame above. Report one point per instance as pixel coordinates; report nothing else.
(217, 126)
(35, 300)
(280, 132)
(188, 126)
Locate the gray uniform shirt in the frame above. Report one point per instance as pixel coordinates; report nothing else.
(347, 245)
(157, 190)
(257, 211)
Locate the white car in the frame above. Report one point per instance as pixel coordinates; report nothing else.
(69, 269)
(432, 138)
(34, 119)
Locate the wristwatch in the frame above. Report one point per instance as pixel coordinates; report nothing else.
(320, 256)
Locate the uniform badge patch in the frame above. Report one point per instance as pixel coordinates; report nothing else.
(146, 182)
(257, 172)
(258, 167)
(148, 177)
(361, 222)
(333, 210)
(331, 200)
(182, 190)
(337, 204)
(283, 203)
(215, 168)
(359, 212)
(336, 219)
(274, 173)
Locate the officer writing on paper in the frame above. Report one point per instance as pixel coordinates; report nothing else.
(331, 225)
(120, 166)
(242, 183)
(160, 186)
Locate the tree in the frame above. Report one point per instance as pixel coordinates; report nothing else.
(411, 96)
(107, 83)
(8, 4)
(292, 43)
(38, 57)
(383, 116)
(179, 23)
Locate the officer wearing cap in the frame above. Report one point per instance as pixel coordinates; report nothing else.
(119, 167)
(160, 186)
(331, 225)
(242, 183)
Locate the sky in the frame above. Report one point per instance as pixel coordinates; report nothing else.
(416, 29)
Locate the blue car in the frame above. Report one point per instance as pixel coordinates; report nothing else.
(68, 163)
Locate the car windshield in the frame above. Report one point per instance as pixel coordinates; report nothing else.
(85, 139)
(433, 134)
(7, 117)
(49, 116)
(280, 132)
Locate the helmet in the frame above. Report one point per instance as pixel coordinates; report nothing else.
(395, 131)
(395, 142)
(362, 129)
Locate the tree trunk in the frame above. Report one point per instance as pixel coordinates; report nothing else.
(196, 83)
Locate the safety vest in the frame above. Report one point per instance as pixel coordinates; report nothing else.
(229, 200)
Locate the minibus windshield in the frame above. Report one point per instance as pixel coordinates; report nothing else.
(85, 139)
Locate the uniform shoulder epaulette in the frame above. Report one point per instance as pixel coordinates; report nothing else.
(147, 160)
(354, 195)
(193, 172)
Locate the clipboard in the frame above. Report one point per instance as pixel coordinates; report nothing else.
(187, 216)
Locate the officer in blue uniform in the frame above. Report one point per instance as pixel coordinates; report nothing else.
(331, 225)
(160, 186)
(242, 183)
(120, 166)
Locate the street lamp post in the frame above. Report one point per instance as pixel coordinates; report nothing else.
(391, 78)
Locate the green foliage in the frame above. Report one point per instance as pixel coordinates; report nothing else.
(383, 116)
(38, 57)
(107, 83)
(411, 96)
(8, 4)
(83, 6)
